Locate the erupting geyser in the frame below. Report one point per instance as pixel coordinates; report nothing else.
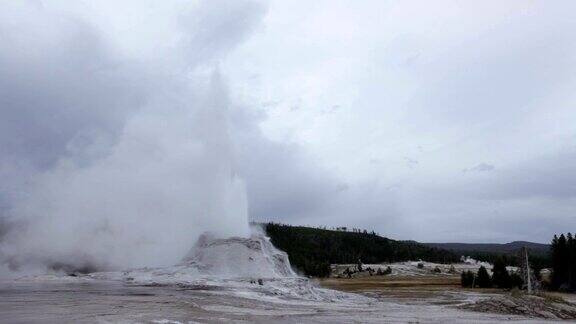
(134, 153)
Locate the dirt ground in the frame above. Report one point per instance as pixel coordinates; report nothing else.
(439, 290)
(446, 291)
(386, 282)
(116, 302)
(421, 285)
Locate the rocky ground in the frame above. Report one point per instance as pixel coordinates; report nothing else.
(436, 289)
(543, 306)
(95, 301)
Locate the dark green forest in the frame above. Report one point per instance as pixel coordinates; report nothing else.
(508, 252)
(538, 261)
(500, 278)
(312, 250)
(564, 263)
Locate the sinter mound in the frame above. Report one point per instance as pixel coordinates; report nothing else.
(239, 257)
(527, 305)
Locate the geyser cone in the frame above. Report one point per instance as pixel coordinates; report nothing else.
(239, 257)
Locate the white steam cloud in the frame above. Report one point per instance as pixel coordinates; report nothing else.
(115, 130)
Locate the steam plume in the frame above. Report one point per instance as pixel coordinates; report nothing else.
(129, 155)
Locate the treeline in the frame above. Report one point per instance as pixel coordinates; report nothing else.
(562, 260)
(563, 250)
(500, 278)
(312, 250)
(537, 261)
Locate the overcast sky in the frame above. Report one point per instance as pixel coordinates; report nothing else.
(433, 121)
(426, 120)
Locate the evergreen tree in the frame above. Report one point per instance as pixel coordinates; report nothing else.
(563, 257)
(483, 279)
(500, 276)
(555, 251)
(563, 250)
(571, 259)
(467, 279)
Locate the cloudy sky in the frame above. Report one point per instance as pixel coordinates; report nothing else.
(442, 121)
(435, 121)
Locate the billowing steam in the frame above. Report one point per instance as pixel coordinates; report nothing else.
(115, 131)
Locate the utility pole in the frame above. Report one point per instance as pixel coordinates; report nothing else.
(528, 277)
(529, 284)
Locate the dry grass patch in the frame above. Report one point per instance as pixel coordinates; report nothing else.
(380, 282)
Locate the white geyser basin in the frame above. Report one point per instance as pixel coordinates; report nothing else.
(246, 267)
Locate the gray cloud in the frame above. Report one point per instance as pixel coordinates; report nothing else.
(550, 176)
(482, 167)
(410, 163)
(534, 196)
(488, 88)
(283, 182)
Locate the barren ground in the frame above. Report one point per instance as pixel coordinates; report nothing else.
(397, 300)
(408, 295)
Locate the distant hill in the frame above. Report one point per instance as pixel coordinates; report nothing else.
(312, 250)
(507, 248)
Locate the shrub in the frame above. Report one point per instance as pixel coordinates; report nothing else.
(550, 298)
(515, 292)
(516, 281)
